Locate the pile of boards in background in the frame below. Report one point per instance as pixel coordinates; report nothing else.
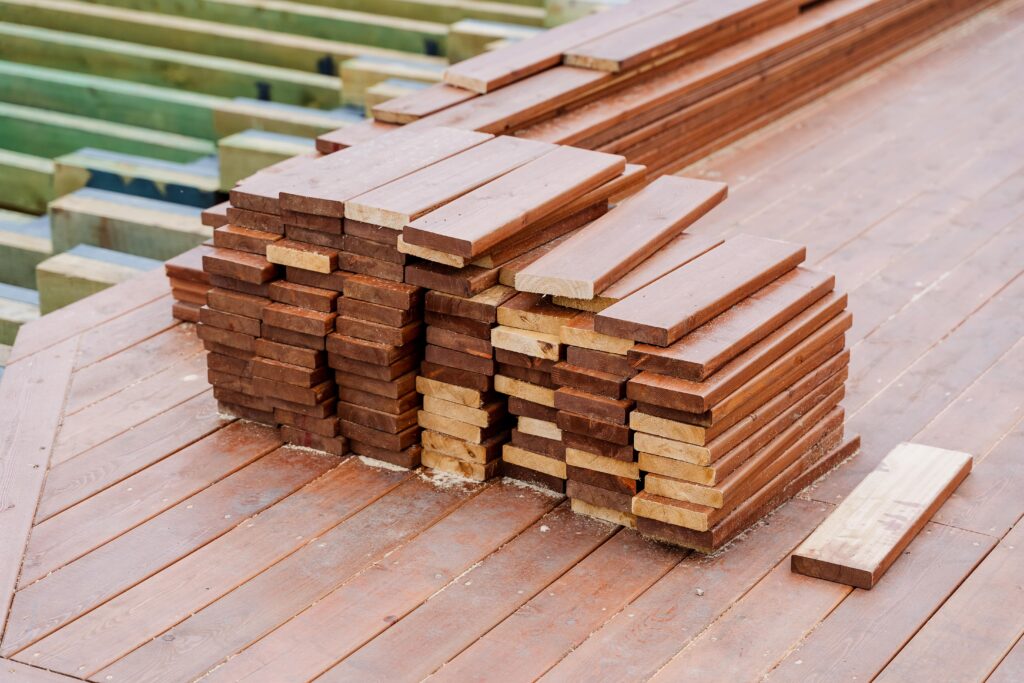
(473, 303)
(665, 82)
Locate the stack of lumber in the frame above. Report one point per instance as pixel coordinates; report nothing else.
(633, 245)
(664, 82)
(471, 248)
(715, 395)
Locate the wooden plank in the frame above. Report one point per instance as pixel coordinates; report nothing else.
(604, 251)
(32, 393)
(680, 395)
(685, 27)
(451, 620)
(88, 313)
(117, 627)
(705, 350)
(196, 72)
(58, 599)
(493, 70)
(640, 639)
(708, 285)
(399, 203)
(370, 603)
(870, 627)
(105, 378)
(1012, 667)
(773, 616)
(65, 537)
(107, 339)
(519, 104)
(872, 526)
(675, 254)
(420, 103)
(557, 620)
(112, 461)
(230, 624)
(323, 186)
(974, 629)
(130, 406)
(16, 671)
(480, 219)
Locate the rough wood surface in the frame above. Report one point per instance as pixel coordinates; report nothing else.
(871, 527)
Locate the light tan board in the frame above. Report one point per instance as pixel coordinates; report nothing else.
(868, 531)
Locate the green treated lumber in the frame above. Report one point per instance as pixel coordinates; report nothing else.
(445, 11)
(124, 223)
(49, 133)
(242, 154)
(8, 217)
(26, 181)
(176, 111)
(192, 184)
(65, 278)
(234, 116)
(164, 67)
(362, 73)
(13, 314)
(110, 99)
(471, 37)
(23, 246)
(244, 43)
(407, 35)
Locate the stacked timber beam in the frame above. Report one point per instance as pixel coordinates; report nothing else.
(702, 379)
(664, 82)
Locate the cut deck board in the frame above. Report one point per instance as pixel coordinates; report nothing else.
(867, 532)
(614, 244)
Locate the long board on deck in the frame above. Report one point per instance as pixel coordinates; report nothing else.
(867, 532)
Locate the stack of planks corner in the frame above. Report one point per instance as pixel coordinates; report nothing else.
(665, 82)
(189, 282)
(702, 379)
(497, 208)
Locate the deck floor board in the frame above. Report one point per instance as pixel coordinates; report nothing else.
(908, 183)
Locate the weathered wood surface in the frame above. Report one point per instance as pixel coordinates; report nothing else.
(867, 532)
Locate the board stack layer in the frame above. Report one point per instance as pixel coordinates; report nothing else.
(468, 250)
(717, 367)
(665, 82)
(189, 283)
(639, 241)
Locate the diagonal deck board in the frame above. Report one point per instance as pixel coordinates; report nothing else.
(132, 451)
(926, 239)
(78, 530)
(213, 634)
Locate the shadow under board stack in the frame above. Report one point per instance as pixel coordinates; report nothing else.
(720, 372)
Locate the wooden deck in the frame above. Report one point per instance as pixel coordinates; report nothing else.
(168, 542)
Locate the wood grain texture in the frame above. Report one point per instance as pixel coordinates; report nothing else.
(687, 298)
(605, 250)
(420, 103)
(872, 526)
(712, 345)
(492, 70)
(402, 201)
(480, 219)
(32, 393)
